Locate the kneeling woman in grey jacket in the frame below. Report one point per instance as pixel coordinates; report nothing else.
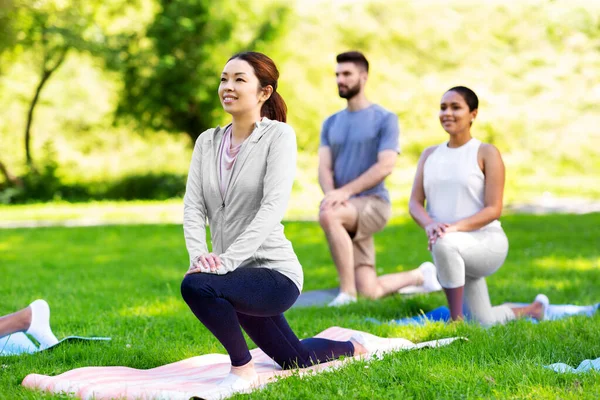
(240, 179)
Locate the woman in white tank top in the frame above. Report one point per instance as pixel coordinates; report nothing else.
(462, 183)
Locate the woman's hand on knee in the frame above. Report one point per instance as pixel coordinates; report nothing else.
(434, 231)
(440, 233)
(205, 263)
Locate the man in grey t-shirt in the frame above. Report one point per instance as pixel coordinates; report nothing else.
(358, 150)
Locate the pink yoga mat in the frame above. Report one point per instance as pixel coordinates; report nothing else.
(194, 377)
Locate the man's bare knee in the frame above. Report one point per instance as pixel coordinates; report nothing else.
(327, 219)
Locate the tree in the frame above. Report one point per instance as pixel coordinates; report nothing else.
(50, 31)
(171, 73)
(7, 31)
(47, 31)
(7, 41)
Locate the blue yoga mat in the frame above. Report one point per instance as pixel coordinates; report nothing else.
(442, 314)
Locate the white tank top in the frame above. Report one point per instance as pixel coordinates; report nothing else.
(454, 183)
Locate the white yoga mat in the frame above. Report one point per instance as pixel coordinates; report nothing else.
(195, 377)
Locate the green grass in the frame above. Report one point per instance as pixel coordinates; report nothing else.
(123, 282)
(105, 212)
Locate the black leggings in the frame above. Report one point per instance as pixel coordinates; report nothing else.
(255, 298)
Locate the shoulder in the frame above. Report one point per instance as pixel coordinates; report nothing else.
(276, 128)
(488, 150)
(207, 135)
(489, 158)
(329, 120)
(382, 113)
(427, 152)
(277, 131)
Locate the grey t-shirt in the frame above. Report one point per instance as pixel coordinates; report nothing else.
(355, 138)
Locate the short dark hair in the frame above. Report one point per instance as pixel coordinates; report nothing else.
(355, 57)
(468, 95)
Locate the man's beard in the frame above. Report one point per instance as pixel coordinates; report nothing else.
(350, 92)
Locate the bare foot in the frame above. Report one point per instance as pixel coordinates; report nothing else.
(536, 310)
(359, 349)
(240, 378)
(246, 371)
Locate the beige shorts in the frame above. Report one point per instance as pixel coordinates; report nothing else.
(373, 215)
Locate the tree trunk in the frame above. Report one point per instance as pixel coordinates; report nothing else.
(46, 74)
(10, 178)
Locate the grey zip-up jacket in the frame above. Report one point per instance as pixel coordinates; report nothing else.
(246, 229)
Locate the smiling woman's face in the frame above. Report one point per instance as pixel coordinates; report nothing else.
(455, 116)
(239, 90)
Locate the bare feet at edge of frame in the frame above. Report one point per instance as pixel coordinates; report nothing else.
(537, 309)
(539, 306)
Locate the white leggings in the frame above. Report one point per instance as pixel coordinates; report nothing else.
(465, 259)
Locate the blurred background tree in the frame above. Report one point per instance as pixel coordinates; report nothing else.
(44, 32)
(7, 29)
(171, 73)
(152, 66)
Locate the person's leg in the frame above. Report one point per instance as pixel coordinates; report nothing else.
(536, 310)
(274, 336)
(455, 297)
(337, 223)
(484, 252)
(216, 300)
(33, 320)
(373, 214)
(374, 287)
(478, 254)
(451, 271)
(16, 322)
(259, 309)
(40, 324)
(201, 293)
(477, 301)
(463, 259)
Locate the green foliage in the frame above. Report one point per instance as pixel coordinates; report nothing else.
(171, 74)
(123, 282)
(8, 34)
(148, 186)
(530, 78)
(44, 183)
(49, 30)
(38, 184)
(46, 29)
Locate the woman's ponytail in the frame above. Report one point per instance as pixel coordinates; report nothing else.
(274, 108)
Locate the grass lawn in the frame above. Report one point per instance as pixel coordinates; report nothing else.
(123, 282)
